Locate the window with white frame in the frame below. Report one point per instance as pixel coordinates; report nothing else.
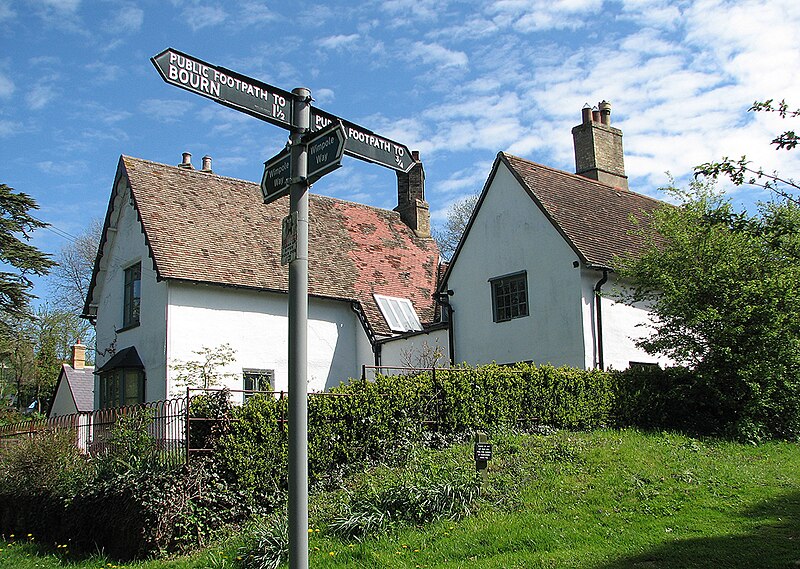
(509, 296)
(399, 313)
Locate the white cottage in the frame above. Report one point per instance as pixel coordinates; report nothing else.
(191, 260)
(532, 278)
(74, 391)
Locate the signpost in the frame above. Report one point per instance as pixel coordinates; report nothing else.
(364, 144)
(325, 149)
(277, 174)
(316, 144)
(226, 87)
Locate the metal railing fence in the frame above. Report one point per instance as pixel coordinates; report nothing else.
(165, 423)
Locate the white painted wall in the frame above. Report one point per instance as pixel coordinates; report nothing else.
(510, 234)
(623, 325)
(255, 324)
(63, 403)
(125, 247)
(415, 351)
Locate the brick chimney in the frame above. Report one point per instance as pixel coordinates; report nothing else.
(598, 147)
(78, 356)
(411, 204)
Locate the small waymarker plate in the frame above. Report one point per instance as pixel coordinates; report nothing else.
(483, 452)
(289, 239)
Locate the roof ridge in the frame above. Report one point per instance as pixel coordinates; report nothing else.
(251, 183)
(186, 170)
(581, 178)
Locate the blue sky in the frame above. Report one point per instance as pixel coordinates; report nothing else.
(458, 81)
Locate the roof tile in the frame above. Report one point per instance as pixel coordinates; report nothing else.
(207, 228)
(594, 217)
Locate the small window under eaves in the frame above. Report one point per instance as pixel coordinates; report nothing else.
(399, 313)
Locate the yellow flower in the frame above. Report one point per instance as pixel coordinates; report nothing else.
(332, 553)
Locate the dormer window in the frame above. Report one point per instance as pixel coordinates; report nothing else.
(132, 295)
(399, 313)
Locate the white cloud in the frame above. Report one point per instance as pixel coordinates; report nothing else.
(323, 96)
(199, 17)
(40, 95)
(338, 41)
(8, 128)
(6, 11)
(403, 11)
(539, 15)
(63, 6)
(256, 13)
(104, 72)
(6, 86)
(165, 110)
(438, 55)
(129, 19)
(62, 168)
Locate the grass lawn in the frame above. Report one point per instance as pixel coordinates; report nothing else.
(599, 500)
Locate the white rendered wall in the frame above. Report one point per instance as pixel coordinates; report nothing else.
(255, 324)
(125, 247)
(623, 325)
(415, 351)
(63, 403)
(510, 234)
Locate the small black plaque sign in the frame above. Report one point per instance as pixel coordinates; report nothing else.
(483, 452)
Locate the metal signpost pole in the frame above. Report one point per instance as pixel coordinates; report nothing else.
(298, 339)
(332, 137)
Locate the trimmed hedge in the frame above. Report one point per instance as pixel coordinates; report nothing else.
(129, 505)
(372, 420)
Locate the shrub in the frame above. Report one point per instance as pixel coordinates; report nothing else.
(38, 477)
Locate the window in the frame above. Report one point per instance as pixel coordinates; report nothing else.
(132, 295)
(121, 387)
(257, 380)
(510, 296)
(122, 379)
(399, 313)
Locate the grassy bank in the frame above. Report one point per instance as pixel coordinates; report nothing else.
(600, 500)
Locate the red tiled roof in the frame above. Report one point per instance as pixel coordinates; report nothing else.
(593, 217)
(206, 228)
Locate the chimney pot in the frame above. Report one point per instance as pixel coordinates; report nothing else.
(187, 161)
(207, 164)
(586, 114)
(605, 112)
(595, 115)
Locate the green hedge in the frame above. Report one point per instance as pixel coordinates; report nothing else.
(372, 420)
(128, 504)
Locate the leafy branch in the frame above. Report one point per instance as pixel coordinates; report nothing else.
(740, 172)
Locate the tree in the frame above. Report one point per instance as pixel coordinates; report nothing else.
(69, 279)
(207, 369)
(33, 349)
(458, 215)
(16, 225)
(742, 172)
(724, 288)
